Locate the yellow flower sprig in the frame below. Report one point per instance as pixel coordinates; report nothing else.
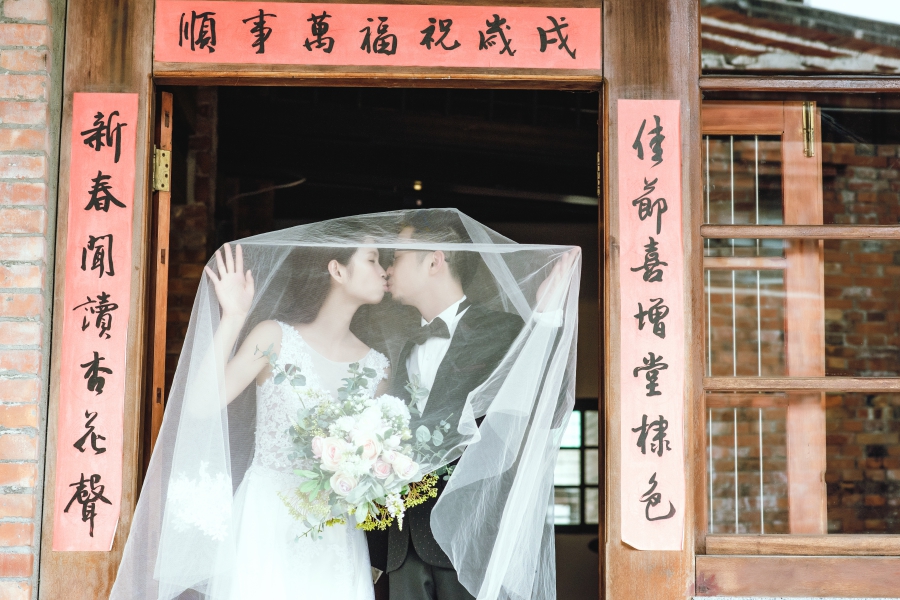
(419, 492)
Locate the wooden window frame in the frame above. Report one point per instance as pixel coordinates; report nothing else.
(791, 564)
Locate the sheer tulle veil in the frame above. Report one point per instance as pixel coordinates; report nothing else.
(494, 518)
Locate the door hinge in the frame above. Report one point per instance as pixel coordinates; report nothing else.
(809, 129)
(162, 159)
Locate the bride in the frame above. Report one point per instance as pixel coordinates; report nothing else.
(276, 560)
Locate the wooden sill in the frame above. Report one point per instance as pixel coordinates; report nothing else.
(804, 545)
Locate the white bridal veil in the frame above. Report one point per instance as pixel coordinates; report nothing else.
(493, 519)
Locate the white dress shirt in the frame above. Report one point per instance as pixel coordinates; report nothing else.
(425, 358)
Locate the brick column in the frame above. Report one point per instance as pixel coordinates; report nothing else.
(27, 176)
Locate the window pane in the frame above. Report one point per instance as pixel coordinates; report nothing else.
(747, 321)
(742, 179)
(862, 466)
(759, 510)
(572, 435)
(592, 506)
(567, 506)
(863, 463)
(742, 174)
(809, 36)
(591, 467)
(568, 468)
(591, 428)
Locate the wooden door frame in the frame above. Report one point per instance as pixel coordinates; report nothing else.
(108, 48)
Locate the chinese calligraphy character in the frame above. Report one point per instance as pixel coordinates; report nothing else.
(101, 246)
(319, 29)
(385, 43)
(557, 28)
(260, 31)
(101, 307)
(79, 445)
(646, 205)
(659, 443)
(101, 197)
(104, 134)
(652, 499)
(653, 365)
(655, 315)
(655, 142)
(652, 264)
(202, 36)
(494, 29)
(444, 27)
(87, 493)
(96, 381)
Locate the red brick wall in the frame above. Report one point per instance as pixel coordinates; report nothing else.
(27, 150)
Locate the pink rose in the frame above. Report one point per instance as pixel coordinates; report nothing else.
(381, 468)
(317, 443)
(404, 466)
(332, 452)
(342, 484)
(370, 445)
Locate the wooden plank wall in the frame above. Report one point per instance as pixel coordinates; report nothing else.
(651, 50)
(108, 49)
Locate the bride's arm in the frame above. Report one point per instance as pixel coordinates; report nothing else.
(234, 289)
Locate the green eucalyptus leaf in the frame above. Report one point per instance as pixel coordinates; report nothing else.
(368, 372)
(280, 378)
(422, 434)
(305, 473)
(437, 437)
(307, 487)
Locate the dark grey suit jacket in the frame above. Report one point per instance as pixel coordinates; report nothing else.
(480, 342)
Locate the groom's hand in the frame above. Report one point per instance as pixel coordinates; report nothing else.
(553, 289)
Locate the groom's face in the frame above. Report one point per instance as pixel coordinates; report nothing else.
(408, 274)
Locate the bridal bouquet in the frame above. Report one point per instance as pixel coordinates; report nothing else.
(357, 453)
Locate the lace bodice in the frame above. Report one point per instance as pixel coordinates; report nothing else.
(277, 405)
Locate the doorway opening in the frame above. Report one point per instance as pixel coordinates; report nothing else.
(247, 160)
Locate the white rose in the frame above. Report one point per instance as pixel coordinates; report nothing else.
(404, 466)
(332, 452)
(370, 445)
(381, 469)
(393, 442)
(388, 456)
(342, 483)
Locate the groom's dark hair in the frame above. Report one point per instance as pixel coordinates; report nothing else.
(445, 227)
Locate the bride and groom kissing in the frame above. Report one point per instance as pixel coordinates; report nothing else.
(456, 347)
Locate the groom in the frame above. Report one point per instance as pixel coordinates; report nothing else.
(457, 347)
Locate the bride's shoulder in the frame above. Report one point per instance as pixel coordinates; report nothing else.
(265, 333)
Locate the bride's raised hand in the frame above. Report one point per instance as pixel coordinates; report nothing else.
(234, 287)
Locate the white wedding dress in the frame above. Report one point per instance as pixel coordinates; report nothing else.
(274, 561)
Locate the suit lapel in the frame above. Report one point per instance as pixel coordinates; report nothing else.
(401, 375)
(448, 373)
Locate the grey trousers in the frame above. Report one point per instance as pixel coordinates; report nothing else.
(417, 580)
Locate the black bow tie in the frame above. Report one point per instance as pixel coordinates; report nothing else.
(437, 328)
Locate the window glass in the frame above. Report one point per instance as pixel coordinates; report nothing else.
(815, 36)
(747, 322)
(748, 469)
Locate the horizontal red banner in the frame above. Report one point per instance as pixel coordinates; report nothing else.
(377, 35)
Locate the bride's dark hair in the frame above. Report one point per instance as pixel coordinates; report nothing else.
(307, 273)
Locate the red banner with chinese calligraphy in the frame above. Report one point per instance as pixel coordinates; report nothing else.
(651, 291)
(95, 321)
(377, 35)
